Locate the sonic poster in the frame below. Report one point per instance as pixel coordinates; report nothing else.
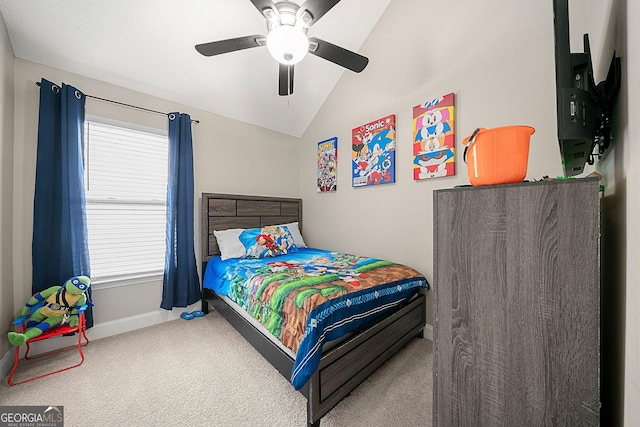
(433, 139)
(373, 152)
(327, 164)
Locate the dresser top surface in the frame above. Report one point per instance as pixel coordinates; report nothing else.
(575, 181)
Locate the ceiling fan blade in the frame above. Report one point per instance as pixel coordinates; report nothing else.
(317, 9)
(285, 80)
(229, 45)
(261, 5)
(338, 55)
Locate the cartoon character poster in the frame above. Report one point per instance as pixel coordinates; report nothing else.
(327, 164)
(433, 139)
(373, 152)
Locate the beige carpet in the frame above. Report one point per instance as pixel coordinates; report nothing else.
(203, 373)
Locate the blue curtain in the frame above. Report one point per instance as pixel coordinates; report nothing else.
(59, 247)
(181, 284)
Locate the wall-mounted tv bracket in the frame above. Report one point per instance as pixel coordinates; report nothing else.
(602, 96)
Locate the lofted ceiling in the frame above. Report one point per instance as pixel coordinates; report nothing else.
(148, 46)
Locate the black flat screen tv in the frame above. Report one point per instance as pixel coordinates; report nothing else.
(583, 107)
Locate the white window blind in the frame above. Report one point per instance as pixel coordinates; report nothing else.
(125, 188)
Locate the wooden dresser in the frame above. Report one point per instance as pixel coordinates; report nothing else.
(517, 305)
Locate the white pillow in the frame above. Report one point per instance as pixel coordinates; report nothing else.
(295, 233)
(229, 243)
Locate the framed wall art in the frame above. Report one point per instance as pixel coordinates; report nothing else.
(373, 152)
(434, 139)
(327, 165)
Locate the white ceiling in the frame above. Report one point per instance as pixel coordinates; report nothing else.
(148, 46)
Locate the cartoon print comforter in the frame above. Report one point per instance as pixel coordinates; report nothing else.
(313, 296)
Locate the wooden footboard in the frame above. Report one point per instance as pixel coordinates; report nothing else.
(345, 366)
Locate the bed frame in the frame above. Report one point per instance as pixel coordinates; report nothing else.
(344, 366)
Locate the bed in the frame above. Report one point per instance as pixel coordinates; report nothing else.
(343, 363)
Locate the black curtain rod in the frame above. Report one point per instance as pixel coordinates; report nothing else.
(129, 105)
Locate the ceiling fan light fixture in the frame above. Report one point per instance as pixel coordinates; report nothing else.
(287, 44)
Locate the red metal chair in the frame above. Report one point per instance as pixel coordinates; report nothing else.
(56, 331)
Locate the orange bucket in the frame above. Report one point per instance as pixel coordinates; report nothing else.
(497, 156)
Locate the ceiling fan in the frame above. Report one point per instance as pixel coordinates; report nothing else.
(287, 40)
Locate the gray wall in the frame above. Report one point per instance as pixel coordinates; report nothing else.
(420, 51)
(626, 221)
(6, 184)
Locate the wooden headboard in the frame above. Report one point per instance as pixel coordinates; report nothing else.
(224, 211)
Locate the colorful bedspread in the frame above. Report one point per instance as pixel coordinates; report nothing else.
(313, 296)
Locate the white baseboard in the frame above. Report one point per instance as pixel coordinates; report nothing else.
(6, 363)
(120, 326)
(99, 330)
(428, 332)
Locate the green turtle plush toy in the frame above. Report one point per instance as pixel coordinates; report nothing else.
(51, 307)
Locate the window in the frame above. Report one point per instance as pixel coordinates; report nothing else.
(125, 187)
